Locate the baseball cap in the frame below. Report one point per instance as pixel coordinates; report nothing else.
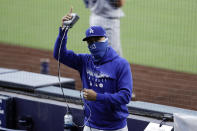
(94, 31)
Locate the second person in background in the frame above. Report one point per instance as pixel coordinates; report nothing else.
(107, 13)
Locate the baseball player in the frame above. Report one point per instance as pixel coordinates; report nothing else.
(106, 79)
(107, 13)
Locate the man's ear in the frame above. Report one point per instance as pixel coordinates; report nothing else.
(102, 39)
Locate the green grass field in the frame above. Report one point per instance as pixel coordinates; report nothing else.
(155, 33)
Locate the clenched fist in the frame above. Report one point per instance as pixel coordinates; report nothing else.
(89, 94)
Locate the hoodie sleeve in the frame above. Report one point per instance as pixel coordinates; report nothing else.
(66, 57)
(125, 85)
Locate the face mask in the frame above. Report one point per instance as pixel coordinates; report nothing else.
(98, 49)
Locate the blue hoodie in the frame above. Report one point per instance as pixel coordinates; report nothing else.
(110, 78)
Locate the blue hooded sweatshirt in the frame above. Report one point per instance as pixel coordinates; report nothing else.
(110, 78)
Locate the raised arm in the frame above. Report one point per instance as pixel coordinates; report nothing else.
(60, 51)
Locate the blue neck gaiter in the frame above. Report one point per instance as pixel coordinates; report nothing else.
(98, 49)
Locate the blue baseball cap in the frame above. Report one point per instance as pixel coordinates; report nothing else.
(94, 31)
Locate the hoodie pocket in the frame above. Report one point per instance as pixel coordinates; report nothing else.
(102, 111)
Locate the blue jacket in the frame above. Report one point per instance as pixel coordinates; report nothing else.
(110, 78)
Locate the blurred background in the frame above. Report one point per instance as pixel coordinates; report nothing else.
(158, 38)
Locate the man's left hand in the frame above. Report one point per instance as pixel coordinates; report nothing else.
(89, 94)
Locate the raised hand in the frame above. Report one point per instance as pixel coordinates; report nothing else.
(68, 16)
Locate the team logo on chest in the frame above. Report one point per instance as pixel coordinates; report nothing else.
(96, 79)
